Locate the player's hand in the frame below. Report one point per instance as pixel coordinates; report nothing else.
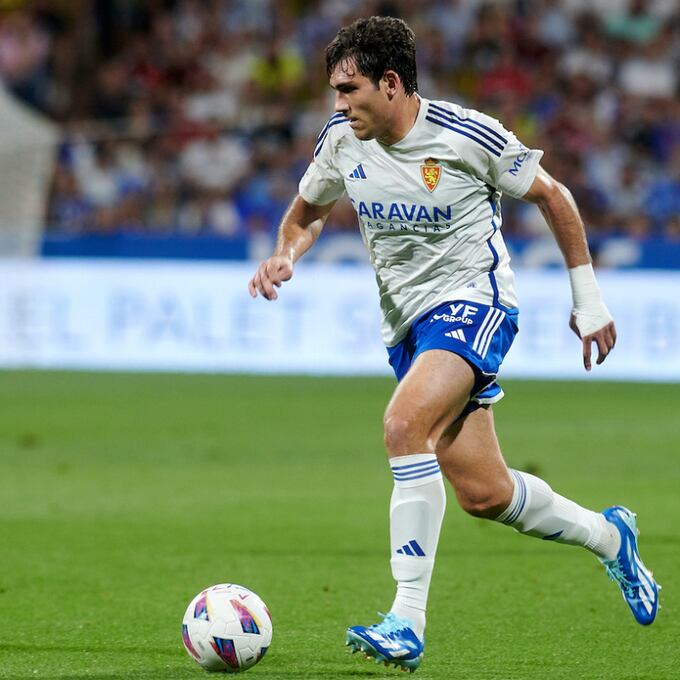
(594, 323)
(270, 275)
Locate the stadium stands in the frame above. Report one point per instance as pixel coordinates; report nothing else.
(194, 118)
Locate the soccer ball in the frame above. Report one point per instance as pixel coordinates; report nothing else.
(227, 628)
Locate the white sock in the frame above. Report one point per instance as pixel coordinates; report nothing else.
(537, 510)
(416, 513)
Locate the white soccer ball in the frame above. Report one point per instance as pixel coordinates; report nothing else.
(227, 628)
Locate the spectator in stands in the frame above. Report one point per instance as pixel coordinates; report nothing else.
(215, 161)
(24, 56)
(663, 198)
(69, 209)
(638, 24)
(650, 71)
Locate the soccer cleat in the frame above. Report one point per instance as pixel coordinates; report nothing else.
(639, 589)
(391, 642)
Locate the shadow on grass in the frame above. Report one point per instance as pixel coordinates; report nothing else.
(180, 672)
(188, 673)
(176, 674)
(83, 649)
(182, 669)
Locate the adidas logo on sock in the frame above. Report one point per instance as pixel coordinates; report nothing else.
(357, 173)
(412, 549)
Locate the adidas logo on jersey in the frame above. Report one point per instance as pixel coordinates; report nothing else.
(357, 173)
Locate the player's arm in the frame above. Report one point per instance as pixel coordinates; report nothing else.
(590, 319)
(300, 227)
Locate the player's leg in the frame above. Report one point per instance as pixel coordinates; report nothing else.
(471, 459)
(433, 393)
(431, 396)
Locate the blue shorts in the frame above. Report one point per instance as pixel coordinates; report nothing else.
(481, 334)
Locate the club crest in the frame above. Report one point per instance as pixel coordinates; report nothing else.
(431, 171)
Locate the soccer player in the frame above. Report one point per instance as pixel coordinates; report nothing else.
(425, 178)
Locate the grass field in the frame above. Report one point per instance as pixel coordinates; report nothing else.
(122, 496)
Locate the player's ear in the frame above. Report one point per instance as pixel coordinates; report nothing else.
(391, 82)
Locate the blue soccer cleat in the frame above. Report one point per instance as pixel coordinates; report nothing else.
(640, 590)
(390, 642)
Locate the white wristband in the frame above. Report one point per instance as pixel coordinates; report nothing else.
(589, 311)
(584, 288)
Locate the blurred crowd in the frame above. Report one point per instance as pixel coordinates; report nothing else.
(199, 116)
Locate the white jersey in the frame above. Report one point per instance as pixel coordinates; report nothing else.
(428, 206)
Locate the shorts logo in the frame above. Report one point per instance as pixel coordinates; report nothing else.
(456, 334)
(431, 171)
(460, 313)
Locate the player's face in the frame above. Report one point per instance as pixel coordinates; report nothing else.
(357, 97)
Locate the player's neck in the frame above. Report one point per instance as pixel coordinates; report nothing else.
(404, 120)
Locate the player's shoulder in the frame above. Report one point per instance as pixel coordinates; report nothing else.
(463, 127)
(336, 127)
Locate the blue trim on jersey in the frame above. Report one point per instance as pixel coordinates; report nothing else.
(335, 116)
(436, 107)
(331, 123)
(465, 134)
(492, 203)
(494, 253)
(492, 276)
(467, 126)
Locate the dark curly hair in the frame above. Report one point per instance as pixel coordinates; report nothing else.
(377, 44)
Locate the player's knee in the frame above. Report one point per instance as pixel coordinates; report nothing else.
(403, 435)
(484, 506)
(487, 501)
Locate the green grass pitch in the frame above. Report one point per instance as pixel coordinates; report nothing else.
(121, 496)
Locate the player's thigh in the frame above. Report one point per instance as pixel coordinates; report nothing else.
(470, 456)
(431, 395)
